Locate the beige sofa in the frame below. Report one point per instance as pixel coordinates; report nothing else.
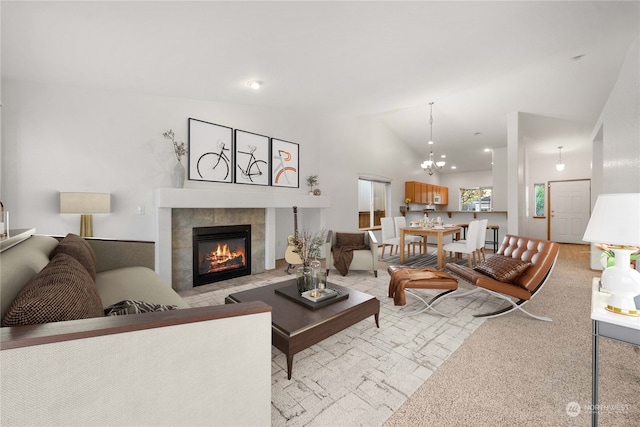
(184, 366)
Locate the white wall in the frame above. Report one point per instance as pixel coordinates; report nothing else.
(455, 181)
(515, 174)
(499, 169)
(616, 138)
(74, 139)
(64, 139)
(621, 129)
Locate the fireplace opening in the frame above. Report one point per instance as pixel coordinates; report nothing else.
(221, 253)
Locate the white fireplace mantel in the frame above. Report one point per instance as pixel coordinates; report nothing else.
(181, 198)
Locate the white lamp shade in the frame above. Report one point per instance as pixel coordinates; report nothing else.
(85, 203)
(615, 220)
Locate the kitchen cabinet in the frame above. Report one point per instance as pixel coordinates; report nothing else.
(428, 194)
(440, 195)
(416, 191)
(444, 195)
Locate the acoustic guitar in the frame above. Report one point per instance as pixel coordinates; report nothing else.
(291, 257)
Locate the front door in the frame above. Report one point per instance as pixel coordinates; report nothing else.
(569, 210)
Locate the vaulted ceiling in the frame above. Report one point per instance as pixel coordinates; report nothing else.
(477, 61)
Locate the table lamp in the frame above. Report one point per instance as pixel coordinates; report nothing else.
(85, 204)
(615, 221)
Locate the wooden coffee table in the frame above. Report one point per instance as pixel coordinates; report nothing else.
(296, 327)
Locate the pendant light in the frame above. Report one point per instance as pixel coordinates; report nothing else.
(560, 165)
(430, 166)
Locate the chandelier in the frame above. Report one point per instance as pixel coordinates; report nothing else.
(430, 166)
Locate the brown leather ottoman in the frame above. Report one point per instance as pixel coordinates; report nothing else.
(418, 278)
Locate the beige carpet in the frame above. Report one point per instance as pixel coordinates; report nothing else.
(514, 370)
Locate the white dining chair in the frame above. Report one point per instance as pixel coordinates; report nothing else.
(480, 241)
(409, 240)
(389, 237)
(467, 246)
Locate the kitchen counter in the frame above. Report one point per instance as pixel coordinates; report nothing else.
(475, 213)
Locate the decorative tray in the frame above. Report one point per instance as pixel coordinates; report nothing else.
(335, 294)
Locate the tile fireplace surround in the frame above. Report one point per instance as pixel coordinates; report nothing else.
(199, 201)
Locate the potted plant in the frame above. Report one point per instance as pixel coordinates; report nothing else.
(312, 181)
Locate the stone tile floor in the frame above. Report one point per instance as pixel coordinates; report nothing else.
(361, 375)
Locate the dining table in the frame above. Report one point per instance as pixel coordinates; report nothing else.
(426, 232)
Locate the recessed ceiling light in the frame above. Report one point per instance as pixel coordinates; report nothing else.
(254, 84)
(444, 156)
(454, 167)
(487, 150)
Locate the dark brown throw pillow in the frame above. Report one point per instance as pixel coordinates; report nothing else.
(503, 268)
(62, 290)
(79, 249)
(349, 239)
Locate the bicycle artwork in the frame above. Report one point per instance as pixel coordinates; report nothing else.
(284, 156)
(252, 158)
(211, 154)
(222, 154)
(214, 166)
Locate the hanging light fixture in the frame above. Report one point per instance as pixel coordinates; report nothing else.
(560, 165)
(430, 165)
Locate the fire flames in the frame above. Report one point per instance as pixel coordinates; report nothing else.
(222, 258)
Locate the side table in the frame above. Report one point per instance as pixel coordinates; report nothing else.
(609, 325)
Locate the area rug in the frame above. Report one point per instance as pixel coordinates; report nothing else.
(363, 374)
(419, 260)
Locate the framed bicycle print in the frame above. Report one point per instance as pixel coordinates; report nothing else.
(284, 163)
(252, 165)
(211, 154)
